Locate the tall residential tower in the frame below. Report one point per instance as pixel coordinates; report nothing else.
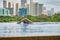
(31, 7)
(4, 4)
(37, 9)
(17, 8)
(23, 2)
(9, 4)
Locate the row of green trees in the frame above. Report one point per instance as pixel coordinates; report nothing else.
(54, 18)
(40, 18)
(9, 19)
(44, 18)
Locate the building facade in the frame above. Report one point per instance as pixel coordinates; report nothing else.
(23, 2)
(13, 6)
(45, 11)
(52, 10)
(27, 9)
(4, 12)
(40, 9)
(22, 11)
(31, 7)
(9, 5)
(36, 9)
(17, 9)
(4, 4)
(49, 13)
(11, 11)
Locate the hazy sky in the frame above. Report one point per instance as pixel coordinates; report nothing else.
(47, 3)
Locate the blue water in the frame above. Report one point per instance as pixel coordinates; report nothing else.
(37, 28)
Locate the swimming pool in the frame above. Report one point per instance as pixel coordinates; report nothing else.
(35, 29)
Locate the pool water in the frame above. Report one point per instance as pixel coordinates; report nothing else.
(37, 28)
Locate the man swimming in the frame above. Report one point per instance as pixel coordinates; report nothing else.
(26, 21)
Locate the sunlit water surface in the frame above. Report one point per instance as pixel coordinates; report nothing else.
(37, 28)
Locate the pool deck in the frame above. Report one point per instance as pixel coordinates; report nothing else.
(32, 38)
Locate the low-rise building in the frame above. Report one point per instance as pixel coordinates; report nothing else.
(49, 13)
(11, 11)
(4, 12)
(22, 11)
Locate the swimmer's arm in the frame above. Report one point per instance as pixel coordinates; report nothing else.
(20, 21)
(29, 21)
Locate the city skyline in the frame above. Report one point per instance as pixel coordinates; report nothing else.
(47, 3)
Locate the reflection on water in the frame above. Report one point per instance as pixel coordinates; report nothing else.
(7, 29)
(24, 27)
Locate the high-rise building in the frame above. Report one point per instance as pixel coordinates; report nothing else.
(27, 9)
(45, 11)
(13, 9)
(49, 13)
(44, 8)
(17, 8)
(4, 4)
(31, 7)
(9, 4)
(23, 2)
(40, 9)
(36, 9)
(52, 10)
